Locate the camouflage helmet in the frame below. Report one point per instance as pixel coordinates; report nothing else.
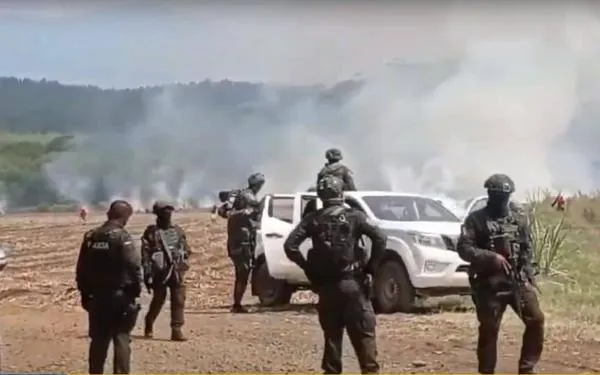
(256, 179)
(330, 188)
(159, 206)
(499, 183)
(333, 154)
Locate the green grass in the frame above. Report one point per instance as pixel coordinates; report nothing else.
(571, 287)
(6, 138)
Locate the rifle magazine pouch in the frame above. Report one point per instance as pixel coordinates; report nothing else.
(183, 266)
(159, 263)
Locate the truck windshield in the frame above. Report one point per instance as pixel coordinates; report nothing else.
(408, 208)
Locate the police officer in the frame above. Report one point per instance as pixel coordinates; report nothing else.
(336, 269)
(165, 253)
(241, 236)
(109, 279)
(489, 275)
(333, 167)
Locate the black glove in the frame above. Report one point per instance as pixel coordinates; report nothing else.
(367, 285)
(148, 284)
(85, 301)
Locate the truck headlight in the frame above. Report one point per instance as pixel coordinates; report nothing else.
(428, 239)
(433, 266)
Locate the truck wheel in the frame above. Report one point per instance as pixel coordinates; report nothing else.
(393, 291)
(271, 292)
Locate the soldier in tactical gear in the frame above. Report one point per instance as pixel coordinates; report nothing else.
(333, 167)
(338, 273)
(241, 236)
(165, 253)
(109, 279)
(501, 274)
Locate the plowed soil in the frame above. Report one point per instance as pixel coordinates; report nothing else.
(43, 328)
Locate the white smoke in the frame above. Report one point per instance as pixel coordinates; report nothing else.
(477, 99)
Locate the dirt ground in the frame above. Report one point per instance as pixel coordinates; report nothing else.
(42, 327)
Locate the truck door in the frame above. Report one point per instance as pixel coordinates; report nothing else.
(275, 226)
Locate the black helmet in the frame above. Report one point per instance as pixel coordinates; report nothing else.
(330, 188)
(256, 179)
(159, 206)
(333, 155)
(499, 183)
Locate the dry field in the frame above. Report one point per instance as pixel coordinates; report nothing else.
(42, 327)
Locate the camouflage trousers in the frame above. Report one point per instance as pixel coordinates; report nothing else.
(241, 254)
(243, 268)
(177, 293)
(490, 310)
(345, 305)
(111, 320)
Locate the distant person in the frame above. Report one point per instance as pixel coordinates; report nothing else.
(109, 278)
(242, 224)
(165, 254)
(333, 167)
(559, 202)
(83, 213)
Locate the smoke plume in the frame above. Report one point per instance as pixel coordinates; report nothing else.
(444, 101)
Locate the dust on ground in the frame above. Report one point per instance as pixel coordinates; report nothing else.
(43, 328)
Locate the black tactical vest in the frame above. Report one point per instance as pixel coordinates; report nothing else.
(170, 241)
(103, 262)
(333, 253)
(504, 236)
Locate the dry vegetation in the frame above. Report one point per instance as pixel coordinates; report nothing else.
(43, 327)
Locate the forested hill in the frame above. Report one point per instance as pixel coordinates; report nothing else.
(196, 127)
(28, 106)
(38, 118)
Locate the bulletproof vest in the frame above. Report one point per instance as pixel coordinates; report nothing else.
(333, 253)
(172, 241)
(504, 236)
(103, 265)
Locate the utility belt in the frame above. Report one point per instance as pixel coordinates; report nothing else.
(352, 271)
(121, 301)
(129, 291)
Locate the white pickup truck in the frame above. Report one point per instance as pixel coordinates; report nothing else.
(420, 260)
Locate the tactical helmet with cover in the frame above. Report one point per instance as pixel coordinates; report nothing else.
(499, 183)
(330, 188)
(333, 155)
(160, 206)
(256, 179)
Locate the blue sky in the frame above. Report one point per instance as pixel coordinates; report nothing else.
(115, 45)
(124, 46)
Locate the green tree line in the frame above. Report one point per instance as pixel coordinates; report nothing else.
(38, 120)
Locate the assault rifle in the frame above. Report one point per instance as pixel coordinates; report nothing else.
(227, 197)
(502, 244)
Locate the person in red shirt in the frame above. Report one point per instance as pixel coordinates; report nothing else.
(83, 212)
(559, 202)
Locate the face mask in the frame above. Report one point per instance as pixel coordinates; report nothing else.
(164, 217)
(498, 202)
